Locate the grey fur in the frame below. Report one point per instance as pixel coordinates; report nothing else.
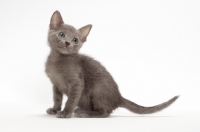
(88, 85)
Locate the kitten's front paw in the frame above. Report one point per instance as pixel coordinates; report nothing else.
(63, 114)
(51, 111)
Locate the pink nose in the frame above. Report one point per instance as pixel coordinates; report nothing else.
(67, 44)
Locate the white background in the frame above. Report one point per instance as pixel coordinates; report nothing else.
(151, 47)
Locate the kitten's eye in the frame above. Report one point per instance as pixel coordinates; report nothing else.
(75, 40)
(61, 34)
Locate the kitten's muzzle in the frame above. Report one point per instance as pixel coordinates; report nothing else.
(67, 44)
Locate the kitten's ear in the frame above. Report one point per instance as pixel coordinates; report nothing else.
(56, 20)
(84, 31)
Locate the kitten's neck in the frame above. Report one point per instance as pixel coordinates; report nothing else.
(55, 55)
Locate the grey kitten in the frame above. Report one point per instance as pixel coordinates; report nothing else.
(88, 85)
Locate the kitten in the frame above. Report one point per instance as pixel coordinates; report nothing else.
(84, 80)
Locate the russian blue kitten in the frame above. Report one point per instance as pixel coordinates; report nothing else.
(88, 85)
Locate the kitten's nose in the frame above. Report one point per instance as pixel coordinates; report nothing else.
(67, 44)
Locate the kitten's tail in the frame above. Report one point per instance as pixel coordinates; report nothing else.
(145, 110)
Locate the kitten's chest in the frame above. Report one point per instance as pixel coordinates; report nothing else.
(59, 73)
(63, 71)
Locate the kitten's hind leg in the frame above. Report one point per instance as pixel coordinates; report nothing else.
(82, 113)
(77, 111)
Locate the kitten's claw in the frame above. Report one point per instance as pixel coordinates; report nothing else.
(51, 111)
(63, 114)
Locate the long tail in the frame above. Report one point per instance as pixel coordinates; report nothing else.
(145, 110)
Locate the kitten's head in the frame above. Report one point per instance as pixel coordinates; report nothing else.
(65, 38)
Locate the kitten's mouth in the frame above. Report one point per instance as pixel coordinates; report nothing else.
(64, 45)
